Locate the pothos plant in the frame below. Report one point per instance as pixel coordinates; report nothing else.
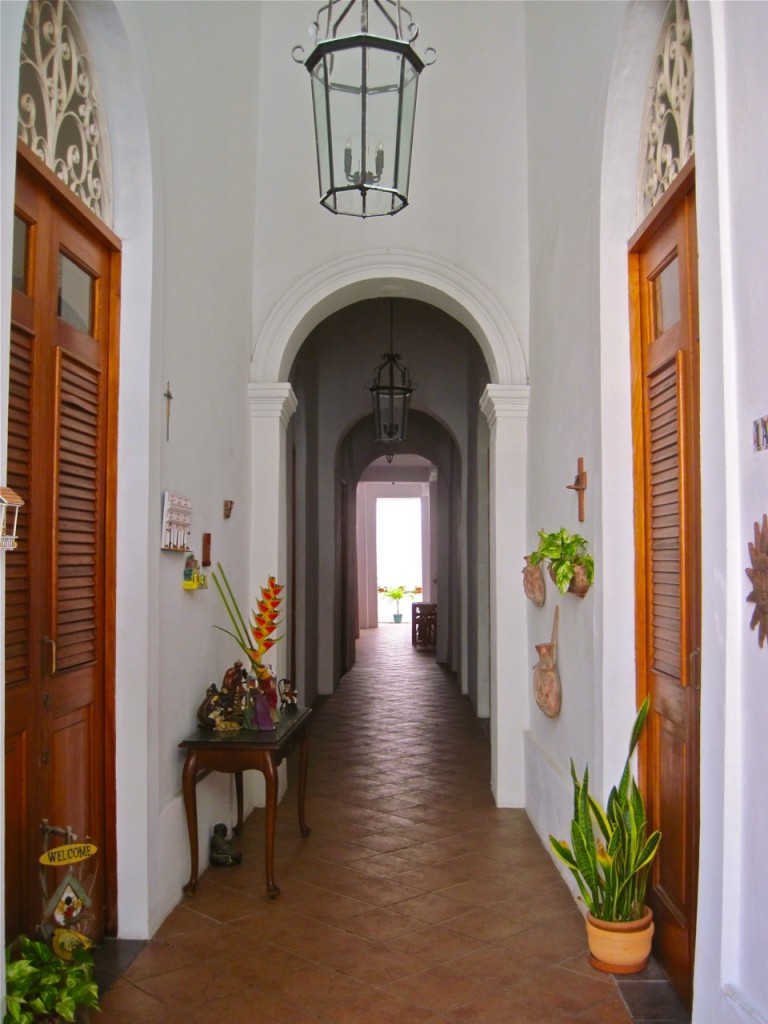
(563, 551)
(40, 986)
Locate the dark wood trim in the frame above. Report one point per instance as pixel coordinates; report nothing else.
(683, 183)
(74, 206)
(110, 598)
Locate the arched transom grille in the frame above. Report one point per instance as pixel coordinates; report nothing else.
(668, 138)
(60, 117)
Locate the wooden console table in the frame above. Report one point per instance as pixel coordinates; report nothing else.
(236, 752)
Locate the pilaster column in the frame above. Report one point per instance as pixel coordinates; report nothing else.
(505, 406)
(272, 406)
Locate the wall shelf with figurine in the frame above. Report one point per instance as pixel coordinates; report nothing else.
(193, 578)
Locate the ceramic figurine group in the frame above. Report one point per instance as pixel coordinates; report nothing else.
(245, 701)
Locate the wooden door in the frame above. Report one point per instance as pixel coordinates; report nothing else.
(665, 366)
(60, 580)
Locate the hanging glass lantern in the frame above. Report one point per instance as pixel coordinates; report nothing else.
(391, 393)
(364, 75)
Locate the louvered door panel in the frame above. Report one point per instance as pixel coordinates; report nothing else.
(62, 424)
(17, 564)
(78, 513)
(664, 537)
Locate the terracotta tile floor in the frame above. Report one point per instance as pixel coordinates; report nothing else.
(414, 900)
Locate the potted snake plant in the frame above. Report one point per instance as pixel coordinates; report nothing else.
(610, 856)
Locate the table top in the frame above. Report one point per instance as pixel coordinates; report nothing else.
(254, 739)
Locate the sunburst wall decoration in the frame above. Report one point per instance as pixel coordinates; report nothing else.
(758, 577)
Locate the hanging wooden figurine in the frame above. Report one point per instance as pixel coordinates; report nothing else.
(546, 680)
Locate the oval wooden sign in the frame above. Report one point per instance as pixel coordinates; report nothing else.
(70, 854)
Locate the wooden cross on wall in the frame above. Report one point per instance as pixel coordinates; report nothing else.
(168, 396)
(579, 485)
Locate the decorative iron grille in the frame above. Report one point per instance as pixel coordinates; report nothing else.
(60, 116)
(669, 142)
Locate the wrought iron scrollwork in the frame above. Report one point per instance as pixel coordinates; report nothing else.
(669, 140)
(59, 109)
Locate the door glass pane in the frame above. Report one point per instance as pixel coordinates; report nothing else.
(75, 295)
(666, 293)
(20, 243)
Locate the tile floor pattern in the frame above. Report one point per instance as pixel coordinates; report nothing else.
(414, 900)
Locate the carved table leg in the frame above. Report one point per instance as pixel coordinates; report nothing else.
(270, 815)
(303, 765)
(188, 778)
(239, 793)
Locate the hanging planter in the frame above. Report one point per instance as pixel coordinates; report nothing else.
(570, 565)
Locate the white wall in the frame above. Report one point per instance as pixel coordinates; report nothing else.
(233, 228)
(184, 162)
(732, 160)
(729, 45)
(467, 170)
(569, 59)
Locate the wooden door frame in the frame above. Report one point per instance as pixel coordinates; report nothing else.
(681, 188)
(73, 207)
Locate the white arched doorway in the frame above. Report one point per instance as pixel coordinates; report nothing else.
(504, 404)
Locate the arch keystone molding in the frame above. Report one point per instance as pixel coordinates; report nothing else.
(374, 273)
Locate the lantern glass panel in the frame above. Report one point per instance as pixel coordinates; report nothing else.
(364, 131)
(407, 117)
(319, 79)
(390, 413)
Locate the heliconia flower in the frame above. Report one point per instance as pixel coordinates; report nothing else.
(264, 621)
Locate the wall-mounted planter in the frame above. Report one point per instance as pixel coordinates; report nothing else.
(579, 584)
(570, 564)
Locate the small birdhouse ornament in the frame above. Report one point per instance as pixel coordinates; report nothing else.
(10, 503)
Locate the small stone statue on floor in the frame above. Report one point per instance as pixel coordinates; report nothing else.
(222, 855)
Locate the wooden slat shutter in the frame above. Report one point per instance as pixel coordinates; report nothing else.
(17, 599)
(78, 512)
(664, 436)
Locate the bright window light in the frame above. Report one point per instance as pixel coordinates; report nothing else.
(398, 552)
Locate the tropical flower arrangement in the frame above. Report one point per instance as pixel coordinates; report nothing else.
(396, 594)
(254, 638)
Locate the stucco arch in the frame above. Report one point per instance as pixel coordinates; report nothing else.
(388, 272)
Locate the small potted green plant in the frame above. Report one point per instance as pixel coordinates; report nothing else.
(40, 986)
(396, 594)
(571, 566)
(610, 856)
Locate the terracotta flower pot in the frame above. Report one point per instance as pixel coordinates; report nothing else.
(579, 584)
(620, 947)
